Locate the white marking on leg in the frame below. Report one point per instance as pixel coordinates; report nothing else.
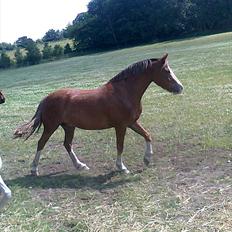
(77, 163)
(35, 163)
(0, 162)
(148, 153)
(120, 165)
(6, 193)
(149, 149)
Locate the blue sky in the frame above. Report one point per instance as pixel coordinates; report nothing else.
(33, 18)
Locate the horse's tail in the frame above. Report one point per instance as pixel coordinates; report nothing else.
(27, 129)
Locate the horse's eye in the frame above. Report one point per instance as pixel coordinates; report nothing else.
(167, 70)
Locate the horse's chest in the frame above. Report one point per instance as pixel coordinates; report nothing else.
(133, 114)
(136, 114)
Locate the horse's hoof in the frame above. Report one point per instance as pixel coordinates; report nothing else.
(82, 167)
(34, 172)
(123, 170)
(126, 171)
(85, 167)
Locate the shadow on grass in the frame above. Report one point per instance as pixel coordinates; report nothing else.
(57, 180)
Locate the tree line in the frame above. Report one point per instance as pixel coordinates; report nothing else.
(27, 52)
(111, 24)
(116, 23)
(50, 35)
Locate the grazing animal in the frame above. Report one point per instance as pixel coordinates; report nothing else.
(3, 187)
(115, 104)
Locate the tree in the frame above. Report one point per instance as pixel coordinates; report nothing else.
(6, 47)
(5, 61)
(58, 51)
(52, 35)
(82, 31)
(33, 55)
(114, 23)
(47, 51)
(67, 49)
(23, 42)
(19, 57)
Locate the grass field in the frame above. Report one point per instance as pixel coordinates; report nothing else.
(188, 187)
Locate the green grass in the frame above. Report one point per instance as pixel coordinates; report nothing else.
(188, 187)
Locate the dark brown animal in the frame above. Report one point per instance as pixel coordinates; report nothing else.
(115, 104)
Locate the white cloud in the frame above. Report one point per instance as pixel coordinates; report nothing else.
(33, 18)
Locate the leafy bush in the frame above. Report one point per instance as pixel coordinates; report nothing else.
(33, 55)
(5, 61)
(58, 51)
(47, 51)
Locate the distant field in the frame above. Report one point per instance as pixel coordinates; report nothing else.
(187, 188)
(62, 43)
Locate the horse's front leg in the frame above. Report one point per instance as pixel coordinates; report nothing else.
(149, 151)
(120, 134)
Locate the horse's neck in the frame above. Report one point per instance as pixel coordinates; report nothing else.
(136, 87)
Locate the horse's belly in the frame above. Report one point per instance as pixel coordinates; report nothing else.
(88, 121)
(92, 125)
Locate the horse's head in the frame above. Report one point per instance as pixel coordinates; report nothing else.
(164, 76)
(2, 98)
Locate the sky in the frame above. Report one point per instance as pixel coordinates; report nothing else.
(33, 18)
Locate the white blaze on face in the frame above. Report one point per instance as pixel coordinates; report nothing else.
(174, 76)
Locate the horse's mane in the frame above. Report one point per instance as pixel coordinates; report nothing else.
(133, 70)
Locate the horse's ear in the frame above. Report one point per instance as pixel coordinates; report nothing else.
(164, 58)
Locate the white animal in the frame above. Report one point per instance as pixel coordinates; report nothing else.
(4, 189)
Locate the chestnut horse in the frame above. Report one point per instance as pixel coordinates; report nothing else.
(116, 104)
(3, 187)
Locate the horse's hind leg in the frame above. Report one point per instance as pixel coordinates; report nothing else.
(48, 131)
(120, 134)
(69, 133)
(149, 151)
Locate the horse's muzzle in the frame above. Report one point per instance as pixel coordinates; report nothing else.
(177, 89)
(2, 100)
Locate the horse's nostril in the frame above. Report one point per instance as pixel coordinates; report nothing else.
(178, 89)
(181, 88)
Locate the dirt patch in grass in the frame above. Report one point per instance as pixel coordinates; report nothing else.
(188, 167)
(187, 188)
(201, 181)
